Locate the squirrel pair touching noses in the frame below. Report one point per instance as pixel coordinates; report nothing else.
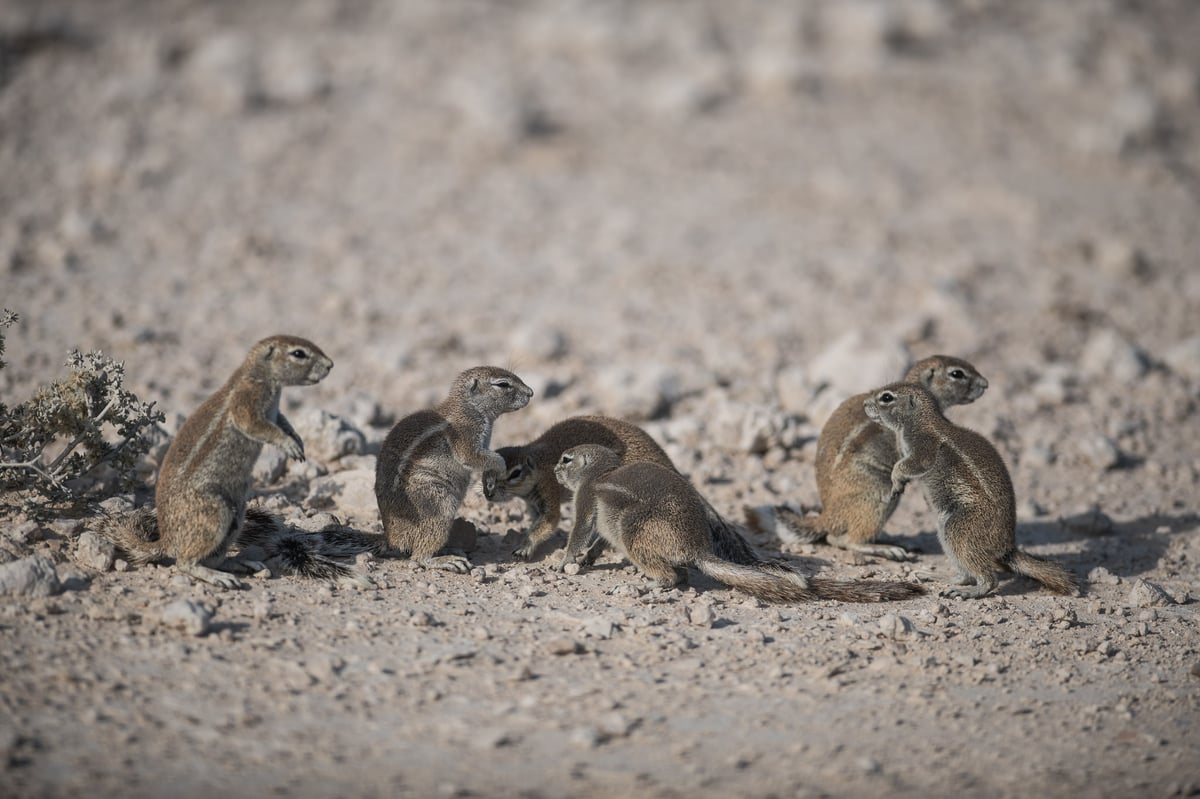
(628, 493)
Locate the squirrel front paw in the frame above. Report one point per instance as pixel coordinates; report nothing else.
(293, 448)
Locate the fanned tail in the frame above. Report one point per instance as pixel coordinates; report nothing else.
(729, 542)
(785, 523)
(134, 533)
(1050, 574)
(301, 555)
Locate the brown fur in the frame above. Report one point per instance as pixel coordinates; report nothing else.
(205, 476)
(968, 487)
(656, 518)
(425, 464)
(854, 467)
(530, 475)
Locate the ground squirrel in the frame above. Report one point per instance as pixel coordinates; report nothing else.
(656, 518)
(854, 467)
(289, 551)
(530, 475)
(425, 464)
(205, 476)
(968, 487)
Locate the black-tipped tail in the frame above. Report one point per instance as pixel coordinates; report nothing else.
(300, 555)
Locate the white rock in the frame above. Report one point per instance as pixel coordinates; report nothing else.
(1053, 386)
(851, 364)
(1117, 258)
(290, 73)
(187, 616)
(1100, 451)
(1102, 576)
(270, 466)
(895, 627)
(29, 577)
(701, 614)
(1184, 358)
(793, 389)
(537, 343)
(221, 71)
(363, 410)
(327, 436)
(351, 492)
(1146, 594)
(94, 552)
(638, 393)
(494, 102)
(24, 533)
(854, 34)
(1109, 355)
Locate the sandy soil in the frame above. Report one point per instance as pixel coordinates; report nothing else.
(717, 218)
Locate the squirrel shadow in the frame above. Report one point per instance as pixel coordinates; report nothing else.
(1127, 548)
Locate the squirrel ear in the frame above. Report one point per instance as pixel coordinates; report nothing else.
(269, 352)
(473, 385)
(528, 459)
(912, 400)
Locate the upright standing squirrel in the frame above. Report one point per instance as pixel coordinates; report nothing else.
(854, 467)
(425, 464)
(530, 475)
(657, 519)
(205, 476)
(968, 487)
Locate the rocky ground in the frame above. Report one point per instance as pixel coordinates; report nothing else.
(719, 219)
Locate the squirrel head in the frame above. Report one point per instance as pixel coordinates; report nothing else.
(898, 405)
(491, 390)
(290, 360)
(952, 381)
(581, 462)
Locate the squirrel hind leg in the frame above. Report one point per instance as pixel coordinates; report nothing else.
(984, 585)
(205, 574)
(889, 551)
(451, 563)
(428, 539)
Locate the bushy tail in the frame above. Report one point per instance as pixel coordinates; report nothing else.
(1047, 572)
(302, 555)
(728, 541)
(785, 523)
(775, 582)
(134, 533)
(865, 590)
(260, 529)
(338, 541)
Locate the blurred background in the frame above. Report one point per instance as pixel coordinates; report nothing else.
(635, 205)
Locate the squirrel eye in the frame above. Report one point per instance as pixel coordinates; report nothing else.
(957, 374)
(502, 384)
(565, 459)
(298, 354)
(887, 397)
(515, 473)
